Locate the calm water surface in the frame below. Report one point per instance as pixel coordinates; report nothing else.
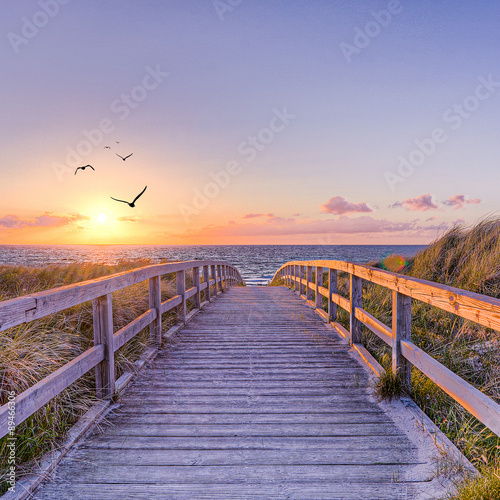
(256, 263)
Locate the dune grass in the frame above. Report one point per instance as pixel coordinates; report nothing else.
(31, 351)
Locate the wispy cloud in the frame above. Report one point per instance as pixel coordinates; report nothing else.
(340, 206)
(420, 203)
(253, 216)
(127, 219)
(46, 220)
(459, 201)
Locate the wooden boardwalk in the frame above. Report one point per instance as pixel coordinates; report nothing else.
(255, 398)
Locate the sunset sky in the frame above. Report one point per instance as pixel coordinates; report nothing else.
(307, 121)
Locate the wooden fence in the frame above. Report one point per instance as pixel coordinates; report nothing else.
(101, 357)
(468, 305)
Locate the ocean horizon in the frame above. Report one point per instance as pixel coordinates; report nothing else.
(256, 263)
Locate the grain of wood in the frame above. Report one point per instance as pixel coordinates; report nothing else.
(255, 398)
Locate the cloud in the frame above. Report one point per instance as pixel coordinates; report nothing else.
(420, 203)
(458, 201)
(340, 206)
(45, 220)
(126, 219)
(253, 216)
(431, 218)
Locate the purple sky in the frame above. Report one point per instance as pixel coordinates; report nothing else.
(285, 109)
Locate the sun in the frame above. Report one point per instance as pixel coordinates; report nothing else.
(102, 218)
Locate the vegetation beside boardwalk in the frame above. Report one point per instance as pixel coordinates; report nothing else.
(31, 351)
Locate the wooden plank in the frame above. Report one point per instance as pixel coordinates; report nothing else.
(29, 401)
(401, 328)
(473, 400)
(319, 283)
(341, 301)
(103, 334)
(373, 324)
(169, 304)
(355, 293)
(122, 336)
(155, 304)
(196, 285)
(332, 289)
(191, 292)
(309, 283)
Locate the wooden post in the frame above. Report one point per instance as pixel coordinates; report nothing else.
(181, 290)
(401, 330)
(319, 282)
(206, 279)
(332, 288)
(309, 280)
(212, 277)
(302, 276)
(219, 274)
(196, 284)
(355, 298)
(155, 303)
(103, 334)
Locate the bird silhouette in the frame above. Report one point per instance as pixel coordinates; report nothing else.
(107, 147)
(125, 156)
(131, 205)
(83, 168)
(117, 142)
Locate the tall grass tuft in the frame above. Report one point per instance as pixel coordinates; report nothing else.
(32, 351)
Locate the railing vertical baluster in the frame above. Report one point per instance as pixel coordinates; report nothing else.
(401, 330)
(196, 284)
(302, 277)
(332, 288)
(219, 276)
(356, 301)
(213, 277)
(181, 290)
(103, 334)
(319, 282)
(309, 280)
(206, 279)
(155, 303)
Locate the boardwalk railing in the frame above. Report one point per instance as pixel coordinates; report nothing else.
(481, 309)
(28, 308)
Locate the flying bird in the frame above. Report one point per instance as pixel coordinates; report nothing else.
(107, 147)
(131, 205)
(125, 156)
(117, 142)
(83, 168)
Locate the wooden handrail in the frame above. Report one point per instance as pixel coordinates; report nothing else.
(479, 308)
(24, 309)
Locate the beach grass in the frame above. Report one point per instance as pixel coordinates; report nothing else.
(32, 351)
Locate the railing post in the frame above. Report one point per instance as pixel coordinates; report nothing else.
(401, 330)
(302, 277)
(181, 290)
(155, 303)
(219, 274)
(206, 279)
(214, 277)
(332, 288)
(309, 280)
(319, 282)
(196, 284)
(103, 334)
(356, 300)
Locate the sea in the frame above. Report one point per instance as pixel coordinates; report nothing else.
(256, 263)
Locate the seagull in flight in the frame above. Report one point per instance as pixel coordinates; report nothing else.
(107, 147)
(83, 168)
(124, 158)
(131, 205)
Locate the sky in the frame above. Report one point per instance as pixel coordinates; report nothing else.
(250, 122)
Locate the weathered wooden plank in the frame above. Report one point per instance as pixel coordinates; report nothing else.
(155, 304)
(42, 392)
(103, 334)
(169, 304)
(473, 400)
(355, 293)
(401, 330)
(377, 327)
(122, 336)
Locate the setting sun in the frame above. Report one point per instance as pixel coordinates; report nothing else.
(102, 218)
